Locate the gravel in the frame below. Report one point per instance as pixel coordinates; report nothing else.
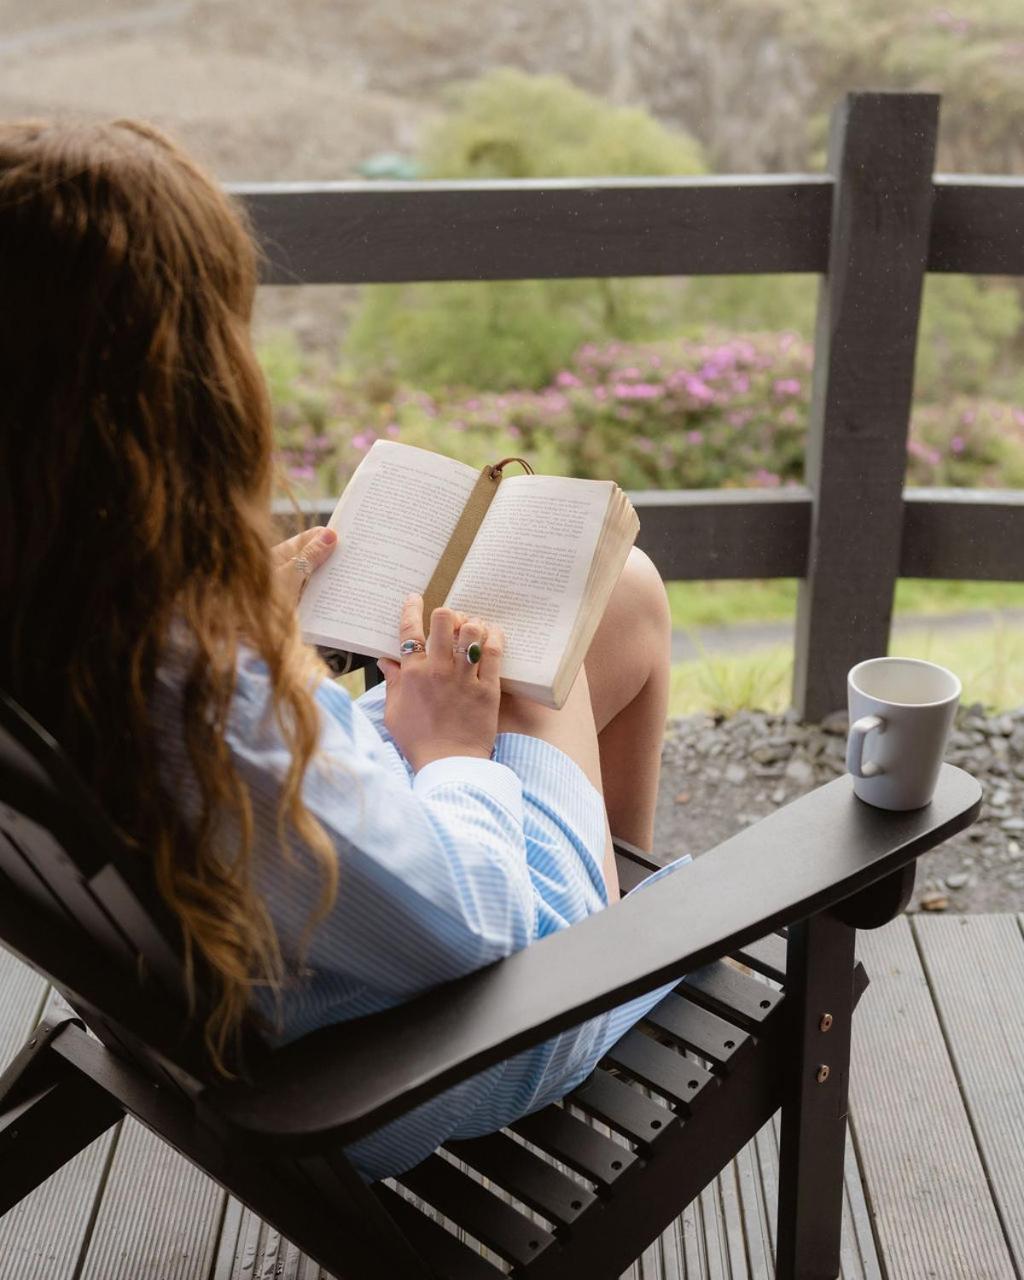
(720, 775)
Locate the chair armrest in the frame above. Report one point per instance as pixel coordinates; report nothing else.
(340, 1083)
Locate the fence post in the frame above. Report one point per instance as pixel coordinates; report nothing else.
(881, 154)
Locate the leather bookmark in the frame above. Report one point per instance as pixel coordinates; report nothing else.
(436, 591)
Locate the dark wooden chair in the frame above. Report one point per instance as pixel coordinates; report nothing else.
(759, 933)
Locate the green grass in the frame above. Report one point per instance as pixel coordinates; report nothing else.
(720, 604)
(989, 661)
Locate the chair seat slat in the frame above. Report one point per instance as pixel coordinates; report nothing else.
(576, 1144)
(766, 956)
(528, 1177)
(661, 1068)
(630, 874)
(733, 995)
(623, 1108)
(443, 1253)
(493, 1222)
(697, 1028)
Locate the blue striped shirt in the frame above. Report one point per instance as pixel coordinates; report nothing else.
(440, 872)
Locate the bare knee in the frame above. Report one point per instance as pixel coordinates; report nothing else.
(631, 648)
(639, 601)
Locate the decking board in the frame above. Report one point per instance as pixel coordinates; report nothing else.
(984, 1027)
(927, 1187)
(159, 1216)
(22, 993)
(42, 1237)
(939, 1206)
(250, 1250)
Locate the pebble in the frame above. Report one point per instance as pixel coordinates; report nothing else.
(801, 771)
(769, 760)
(836, 723)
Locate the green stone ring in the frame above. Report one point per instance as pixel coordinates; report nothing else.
(473, 651)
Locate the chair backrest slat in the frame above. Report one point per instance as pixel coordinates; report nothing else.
(111, 891)
(33, 859)
(61, 857)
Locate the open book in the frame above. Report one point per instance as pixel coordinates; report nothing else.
(541, 564)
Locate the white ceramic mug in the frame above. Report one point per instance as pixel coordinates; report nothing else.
(901, 710)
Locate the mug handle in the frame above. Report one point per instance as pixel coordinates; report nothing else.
(859, 730)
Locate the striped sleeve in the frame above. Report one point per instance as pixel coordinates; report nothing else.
(433, 877)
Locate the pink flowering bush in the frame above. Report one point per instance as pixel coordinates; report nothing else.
(967, 443)
(722, 410)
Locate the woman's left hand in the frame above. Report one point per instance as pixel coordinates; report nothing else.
(296, 558)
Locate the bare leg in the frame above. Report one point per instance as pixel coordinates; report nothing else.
(613, 722)
(628, 669)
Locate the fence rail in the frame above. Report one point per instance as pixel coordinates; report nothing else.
(349, 233)
(871, 227)
(697, 534)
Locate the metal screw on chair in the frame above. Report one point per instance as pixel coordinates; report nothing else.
(823, 1073)
(826, 1022)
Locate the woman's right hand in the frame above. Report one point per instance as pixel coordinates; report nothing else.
(438, 703)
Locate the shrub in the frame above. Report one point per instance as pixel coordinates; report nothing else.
(508, 124)
(721, 410)
(511, 124)
(967, 443)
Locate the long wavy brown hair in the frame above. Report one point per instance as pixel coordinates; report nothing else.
(135, 478)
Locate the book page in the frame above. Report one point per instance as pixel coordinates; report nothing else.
(393, 521)
(527, 569)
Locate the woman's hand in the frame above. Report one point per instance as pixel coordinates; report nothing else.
(439, 703)
(295, 559)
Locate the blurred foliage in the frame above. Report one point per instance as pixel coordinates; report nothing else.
(989, 661)
(969, 51)
(718, 409)
(968, 338)
(669, 383)
(518, 334)
(509, 124)
(725, 603)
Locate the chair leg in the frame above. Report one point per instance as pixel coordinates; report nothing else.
(48, 1113)
(819, 995)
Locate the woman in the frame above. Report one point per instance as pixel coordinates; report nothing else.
(326, 858)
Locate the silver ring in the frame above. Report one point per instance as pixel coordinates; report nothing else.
(473, 651)
(411, 646)
(303, 566)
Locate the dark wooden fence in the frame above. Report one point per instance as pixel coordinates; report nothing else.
(870, 227)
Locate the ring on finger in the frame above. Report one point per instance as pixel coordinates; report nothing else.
(473, 651)
(411, 646)
(302, 565)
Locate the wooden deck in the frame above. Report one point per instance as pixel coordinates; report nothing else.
(935, 1174)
